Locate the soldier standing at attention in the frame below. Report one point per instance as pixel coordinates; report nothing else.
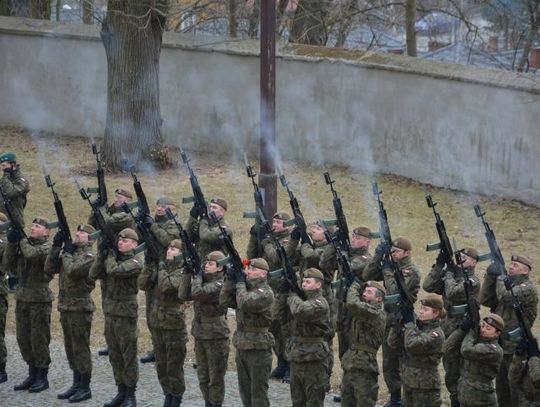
(524, 373)
(496, 294)
(210, 330)
(75, 305)
(119, 269)
(33, 301)
(3, 300)
(376, 270)
(308, 354)
(450, 283)
(167, 323)
(360, 369)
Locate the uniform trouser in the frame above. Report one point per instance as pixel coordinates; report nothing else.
(505, 393)
(253, 368)
(76, 326)
(343, 326)
(33, 326)
(212, 356)
(3, 314)
(523, 402)
(170, 350)
(308, 383)
(121, 337)
(451, 363)
(391, 364)
(421, 397)
(359, 388)
(149, 298)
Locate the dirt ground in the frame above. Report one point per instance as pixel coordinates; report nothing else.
(68, 158)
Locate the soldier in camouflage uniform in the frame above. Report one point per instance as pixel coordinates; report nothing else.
(422, 342)
(75, 305)
(308, 350)
(495, 294)
(360, 369)
(376, 270)
(3, 299)
(449, 282)
(15, 187)
(524, 373)
(210, 330)
(252, 339)
(119, 269)
(34, 301)
(167, 322)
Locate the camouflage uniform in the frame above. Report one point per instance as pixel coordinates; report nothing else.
(167, 325)
(252, 339)
(450, 284)
(375, 271)
(207, 235)
(3, 303)
(211, 335)
(360, 369)
(524, 377)
(308, 353)
(15, 186)
(495, 295)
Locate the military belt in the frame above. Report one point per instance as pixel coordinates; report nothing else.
(256, 329)
(364, 348)
(212, 319)
(309, 339)
(169, 304)
(419, 365)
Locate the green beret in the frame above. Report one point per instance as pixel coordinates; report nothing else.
(312, 272)
(124, 192)
(3, 218)
(522, 260)
(8, 157)
(434, 301)
(40, 220)
(378, 285)
(164, 201)
(362, 231)
(215, 256)
(220, 201)
(128, 233)
(402, 243)
(259, 263)
(471, 252)
(176, 243)
(281, 215)
(495, 321)
(86, 228)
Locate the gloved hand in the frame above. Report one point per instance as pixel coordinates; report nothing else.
(494, 269)
(381, 249)
(69, 247)
(59, 239)
(533, 348)
(284, 286)
(13, 235)
(508, 283)
(253, 230)
(147, 221)
(407, 314)
(296, 234)
(104, 246)
(195, 212)
(522, 347)
(240, 277)
(466, 324)
(441, 260)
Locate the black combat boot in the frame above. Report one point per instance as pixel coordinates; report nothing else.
(167, 402)
(176, 401)
(129, 400)
(119, 398)
(150, 357)
(25, 385)
(281, 368)
(207, 403)
(3, 374)
(83, 392)
(337, 399)
(103, 351)
(74, 387)
(41, 382)
(395, 399)
(287, 375)
(454, 401)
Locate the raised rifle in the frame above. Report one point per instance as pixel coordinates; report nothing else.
(473, 307)
(198, 197)
(297, 213)
(191, 257)
(58, 207)
(444, 242)
(101, 189)
(342, 232)
(13, 222)
(259, 203)
(235, 264)
(344, 267)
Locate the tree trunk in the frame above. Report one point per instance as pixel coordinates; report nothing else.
(233, 20)
(87, 10)
(534, 15)
(40, 9)
(253, 28)
(20, 8)
(309, 23)
(132, 36)
(345, 21)
(5, 10)
(410, 29)
(280, 15)
(58, 8)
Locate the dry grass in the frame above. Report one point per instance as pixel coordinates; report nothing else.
(65, 158)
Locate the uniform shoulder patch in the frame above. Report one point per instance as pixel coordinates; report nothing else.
(219, 283)
(493, 346)
(363, 257)
(89, 254)
(318, 301)
(435, 334)
(136, 261)
(260, 290)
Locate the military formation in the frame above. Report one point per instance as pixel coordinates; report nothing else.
(301, 288)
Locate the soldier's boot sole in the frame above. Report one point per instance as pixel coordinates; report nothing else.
(29, 381)
(81, 395)
(68, 393)
(337, 399)
(167, 401)
(116, 401)
(39, 386)
(176, 401)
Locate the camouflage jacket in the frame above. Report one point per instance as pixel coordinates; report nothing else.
(310, 325)
(270, 253)
(3, 271)
(311, 256)
(74, 286)
(33, 280)
(209, 320)
(115, 220)
(423, 344)
(207, 235)
(359, 259)
(524, 374)
(495, 296)
(367, 331)
(253, 315)
(165, 231)
(15, 186)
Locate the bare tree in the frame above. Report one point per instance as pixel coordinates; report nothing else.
(87, 11)
(233, 19)
(254, 18)
(410, 28)
(533, 14)
(310, 22)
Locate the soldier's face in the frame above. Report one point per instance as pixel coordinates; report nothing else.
(254, 272)
(37, 230)
(370, 294)
(358, 242)
(172, 252)
(516, 268)
(468, 262)
(488, 331)
(4, 165)
(216, 210)
(211, 267)
(81, 237)
(426, 313)
(119, 200)
(126, 244)
(399, 254)
(311, 284)
(317, 233)
(278, 225)
(161, 209)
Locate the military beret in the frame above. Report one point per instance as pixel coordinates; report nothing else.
(312, 272)
(434, 301)
(259, 263)
(165, 200)
(362, 231)
(128, 233)
(8, 157)
(378, 285)
(220, 201)
(176, 243)
(471, 252)
(215, 256)
(124, 192)
(402, 243)
(40, 220)
(281, 215)
(86, 228)
(495, 321)
(3, 218)
(522, 260)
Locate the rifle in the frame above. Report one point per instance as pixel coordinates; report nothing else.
(259, 203)
(444, 242)
(58, 207)
(297, 214)
(14, 224)
(344, 267)
(472, 305)
(142, 203)
(236, 266)
(198, 196)
(191, 257)
(101, 189)
(404, 297)
(342, 232)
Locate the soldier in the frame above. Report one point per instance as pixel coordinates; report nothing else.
(496, 294)
(14, 187)
(252, 339)
(422, 343)
(33, 301)
(3, 300)
(167, 323)
(524, 373)
(210, 330)
(360, 369)
(119, 268)
(376, 270)
(75, 305)
(450, 283)
(308, 354)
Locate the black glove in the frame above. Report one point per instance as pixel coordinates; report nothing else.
(284, 286)
(508, 283)
(147, 221)
(466, 324)
(441, 260)
(104, 246)
(13, 235)
(58, 239)
(195, 212)
(9, 170)
(296, 234)
(494, 269)
(253, 231)
(407, 314)
(381, 249)
(522, 347)
(240, 276)
(69, 247)
(533, 348)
